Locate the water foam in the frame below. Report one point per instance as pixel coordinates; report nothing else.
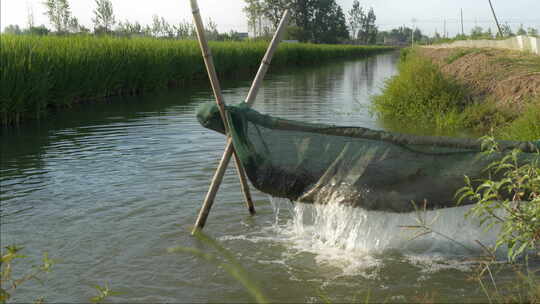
(354, 239)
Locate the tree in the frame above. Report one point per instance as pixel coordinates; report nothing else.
(521, 30)
(506, 30)
(488, 33)
(12, 29)
(313, 20)
(328, 24)
(477, 32)
(402, 36)
(369, 29)
(104, 18)
(211, 30)
(59, 14)
(303, 15)
(184, 30)
(38, 30)
(254, 10)
(531, 31)
(362, 24)
(356, 15)
(127, 28)
(156, 29)
(274, 9)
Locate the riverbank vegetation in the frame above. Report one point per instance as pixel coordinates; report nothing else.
(473, 91)
(41, 72)
(481, 91)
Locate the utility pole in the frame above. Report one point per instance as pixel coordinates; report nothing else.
(444, 28)
(462, 31)
(30, 15)
(495, 17)
(412, 31)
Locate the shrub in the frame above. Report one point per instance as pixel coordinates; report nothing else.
(519, 216)
(421, 94)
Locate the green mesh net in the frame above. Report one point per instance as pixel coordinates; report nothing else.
(375, 170)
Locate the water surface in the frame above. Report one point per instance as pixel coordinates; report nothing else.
(108, 188)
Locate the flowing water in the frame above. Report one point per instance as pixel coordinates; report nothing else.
(108, 189)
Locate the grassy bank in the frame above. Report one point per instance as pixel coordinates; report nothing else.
(444, 96)
(37, 73)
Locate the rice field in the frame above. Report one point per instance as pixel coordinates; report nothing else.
(41, 72)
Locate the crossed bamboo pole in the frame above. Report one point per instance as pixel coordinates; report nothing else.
(252, 94)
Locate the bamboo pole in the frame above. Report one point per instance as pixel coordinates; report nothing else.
(218, 176)
(209, 62)
(265, 63)
(214, 186)
(243, 182)
(214, 81)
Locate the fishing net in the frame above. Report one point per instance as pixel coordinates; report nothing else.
(375, 170)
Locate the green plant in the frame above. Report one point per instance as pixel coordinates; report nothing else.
(41, 72)
(103, 293)
(509, 198)
(421, 94)
(8, 283)
(526, 126)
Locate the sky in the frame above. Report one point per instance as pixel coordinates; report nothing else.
(428, 15)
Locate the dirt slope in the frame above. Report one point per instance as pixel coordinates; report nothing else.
(509, 78)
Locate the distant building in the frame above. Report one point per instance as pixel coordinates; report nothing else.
(243, 35)
(390, 41)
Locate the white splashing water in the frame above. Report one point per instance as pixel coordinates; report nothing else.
(354, 239)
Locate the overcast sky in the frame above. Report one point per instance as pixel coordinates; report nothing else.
(429, 14)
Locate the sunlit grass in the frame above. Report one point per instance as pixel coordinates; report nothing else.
(422, 96)
(39, 72)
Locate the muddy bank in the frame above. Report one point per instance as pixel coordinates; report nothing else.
(510, 79)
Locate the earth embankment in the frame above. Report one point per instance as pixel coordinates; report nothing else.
(509, 78)
(458, 91)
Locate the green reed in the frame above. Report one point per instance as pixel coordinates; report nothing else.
(38, 72)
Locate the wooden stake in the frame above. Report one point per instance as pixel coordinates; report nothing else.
(265, 64)
(209, 62)
(243, 182)
(214, 81)
(214, 186)
(218, 176)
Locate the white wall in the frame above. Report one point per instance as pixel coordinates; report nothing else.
(517, 43)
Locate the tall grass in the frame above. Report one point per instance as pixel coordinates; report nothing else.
(422, 96)
(41, 72)
(526, 126)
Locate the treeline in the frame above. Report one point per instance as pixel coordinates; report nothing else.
(317, 21)
(479, 32)
(314, 21)
(105, 23)
(402, 35)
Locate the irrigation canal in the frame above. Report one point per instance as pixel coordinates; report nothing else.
(108, 189)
